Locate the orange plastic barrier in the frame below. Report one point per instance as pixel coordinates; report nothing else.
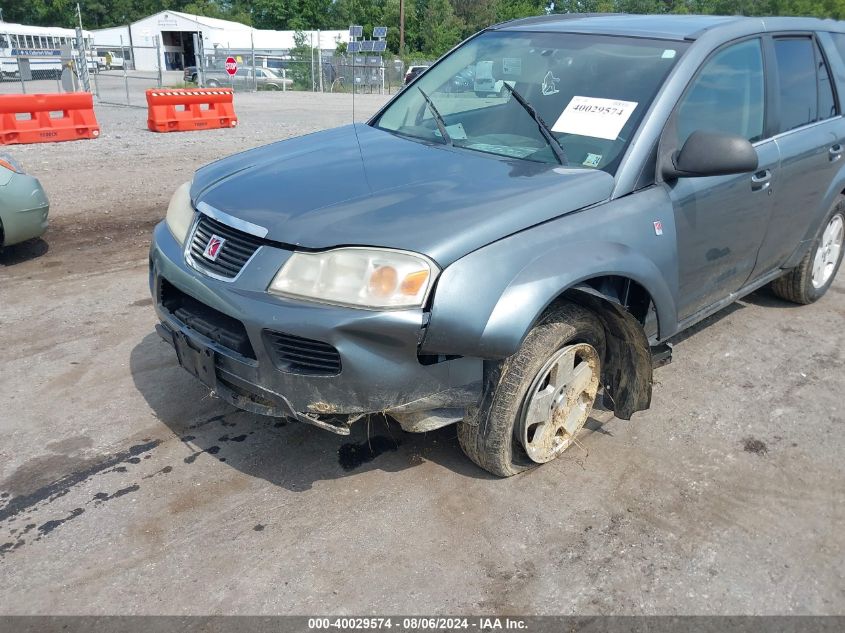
(34, 118)
(182, 110)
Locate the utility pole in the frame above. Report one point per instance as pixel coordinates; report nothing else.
(401, 27)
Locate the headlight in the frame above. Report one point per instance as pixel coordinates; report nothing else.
(180, 213)
(363, 277)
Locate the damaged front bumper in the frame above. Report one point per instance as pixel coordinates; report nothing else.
(333, 364)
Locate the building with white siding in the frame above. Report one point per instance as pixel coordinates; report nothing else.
(170, 36)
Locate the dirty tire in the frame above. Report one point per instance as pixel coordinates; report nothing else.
(487, 434)
(797, 285)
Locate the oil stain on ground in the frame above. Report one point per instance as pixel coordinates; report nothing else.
(49, 526)
(237, 438)
(351, 456)
(211, 450)
(101, 497)
(60, 486)
(753, 445)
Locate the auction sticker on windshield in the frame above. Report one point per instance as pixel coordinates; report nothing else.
(590, 116)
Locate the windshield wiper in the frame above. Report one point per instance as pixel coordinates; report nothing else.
(551, 139)
(441, 124)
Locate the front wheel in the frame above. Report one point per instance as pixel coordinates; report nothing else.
(538, 400)
(809, 281)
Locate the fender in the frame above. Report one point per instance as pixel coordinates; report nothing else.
(485, 303)
(533, 290)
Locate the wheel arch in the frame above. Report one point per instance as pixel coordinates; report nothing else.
(836, 189)
(623, 286)
(627, 370)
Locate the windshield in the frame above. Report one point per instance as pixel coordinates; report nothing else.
(589, 92)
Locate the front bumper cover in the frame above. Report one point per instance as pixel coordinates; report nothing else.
(380, 367)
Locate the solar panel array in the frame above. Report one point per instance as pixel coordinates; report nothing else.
(377, 45)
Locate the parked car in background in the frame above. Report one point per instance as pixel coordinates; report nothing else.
(245, 78)
(23, 204)
(190, 74)
(412, 72)
(108, 59)
(497, 263)
(462, 81)
(484, 84)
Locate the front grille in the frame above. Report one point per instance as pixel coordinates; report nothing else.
(235, 252)
(220, 328)
(298, 355)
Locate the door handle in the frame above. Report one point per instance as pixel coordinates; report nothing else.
(835, 152)
(761, 180)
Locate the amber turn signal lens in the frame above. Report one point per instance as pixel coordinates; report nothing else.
(412, 284)
(383, 281)
(7, 165)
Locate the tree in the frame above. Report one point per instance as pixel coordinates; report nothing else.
(443, 27)
(475, 14)
(513, 9)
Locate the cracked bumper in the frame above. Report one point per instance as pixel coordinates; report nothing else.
(380, 369)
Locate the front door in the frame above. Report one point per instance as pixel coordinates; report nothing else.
(721, 220)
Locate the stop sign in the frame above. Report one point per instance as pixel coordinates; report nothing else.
(231, 65)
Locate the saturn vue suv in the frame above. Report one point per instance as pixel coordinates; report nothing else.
(498, 261)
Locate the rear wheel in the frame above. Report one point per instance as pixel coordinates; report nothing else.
(539, 398)
(809, 281)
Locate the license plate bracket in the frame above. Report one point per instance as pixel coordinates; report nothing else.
(197, 359)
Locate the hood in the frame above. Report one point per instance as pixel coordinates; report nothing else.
(325, 190)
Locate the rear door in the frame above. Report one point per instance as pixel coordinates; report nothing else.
(720, 220)
(810, 135)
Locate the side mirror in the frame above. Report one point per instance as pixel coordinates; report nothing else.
(711, 154)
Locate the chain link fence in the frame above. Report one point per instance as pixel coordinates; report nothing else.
(110, 70)
(107, 71)
(117, 82)
(20, 74)
(44, 69)
(301, 69)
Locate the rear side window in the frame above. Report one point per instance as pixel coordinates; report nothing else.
(727, 95)
(797, 78)
(827, 104)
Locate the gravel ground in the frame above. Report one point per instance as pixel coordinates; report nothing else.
(125, 489)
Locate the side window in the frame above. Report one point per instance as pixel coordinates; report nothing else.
(727, 95)
(797, 78)
(827, 104)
